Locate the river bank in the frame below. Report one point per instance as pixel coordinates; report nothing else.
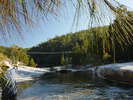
(121, 72)
(25, 73)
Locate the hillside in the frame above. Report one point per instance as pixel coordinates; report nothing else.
(87, 47)
(16, 54)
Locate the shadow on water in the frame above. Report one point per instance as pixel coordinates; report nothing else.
(67, 86)
(73, 86)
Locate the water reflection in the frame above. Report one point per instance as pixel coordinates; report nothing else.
(72, 86)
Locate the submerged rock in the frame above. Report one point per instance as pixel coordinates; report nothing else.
(64, 71)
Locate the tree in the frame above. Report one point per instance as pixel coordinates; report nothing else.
(32, 63)
(77, 55)
(15, 54)
(63, 60)
(2, 57)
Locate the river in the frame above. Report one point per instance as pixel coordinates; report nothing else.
(73, 86)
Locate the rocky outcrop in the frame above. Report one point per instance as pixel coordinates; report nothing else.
(120, 72)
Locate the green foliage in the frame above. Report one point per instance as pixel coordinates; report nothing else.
(106, 58)
(62, 60)
(104, 44)
(3, 67)
(32, 63)
(2, 57)
(88, 47)
(16, 54)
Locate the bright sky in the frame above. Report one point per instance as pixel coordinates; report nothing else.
(43, 30)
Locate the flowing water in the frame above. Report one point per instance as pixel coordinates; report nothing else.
(72, 86)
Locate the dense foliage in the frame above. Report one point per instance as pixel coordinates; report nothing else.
(86, 48)
(16, 54)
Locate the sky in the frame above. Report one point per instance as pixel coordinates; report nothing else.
(54, 26)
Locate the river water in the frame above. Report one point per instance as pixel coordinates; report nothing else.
(73, 86)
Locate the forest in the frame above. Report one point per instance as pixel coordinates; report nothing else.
(15, 54)
(95, 46)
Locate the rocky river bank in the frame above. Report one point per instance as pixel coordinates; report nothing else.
(119, 72)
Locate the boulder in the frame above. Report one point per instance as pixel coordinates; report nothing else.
(121, 72)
